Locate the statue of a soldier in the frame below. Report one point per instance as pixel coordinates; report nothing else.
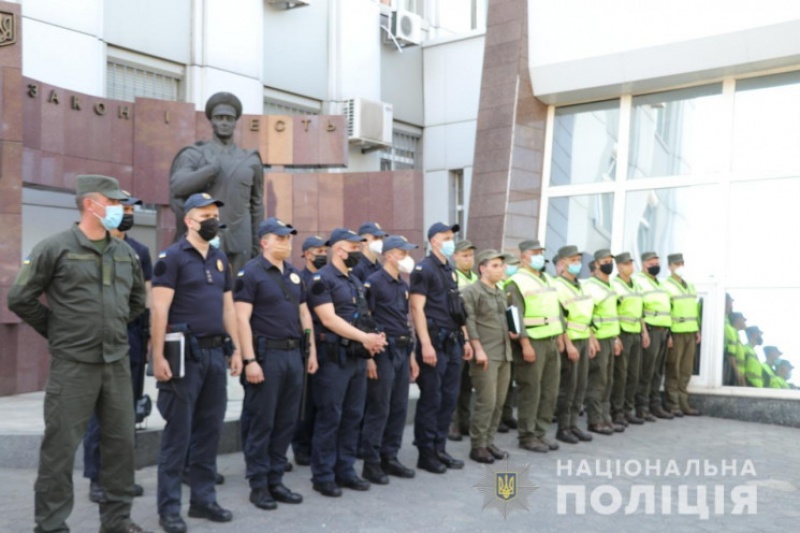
(226, 172)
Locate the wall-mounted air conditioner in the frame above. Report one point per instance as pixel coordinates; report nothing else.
(407, 27)
(369, 122)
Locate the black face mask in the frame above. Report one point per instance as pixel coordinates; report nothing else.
(654, 270)
(352, 259)
(208, 229)
(320, 261)
(607, 268)
(127, 222)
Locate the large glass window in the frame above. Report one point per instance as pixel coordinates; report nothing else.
(677, 132)
(679, 219)
(584, 221)
(585, 143)
(767, 125)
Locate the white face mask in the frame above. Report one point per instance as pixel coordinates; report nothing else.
(376, 247)
(406, 264)
(680, 271)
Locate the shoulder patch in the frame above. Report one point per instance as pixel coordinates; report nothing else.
(418, 267)
(239, 284)
(160, 269)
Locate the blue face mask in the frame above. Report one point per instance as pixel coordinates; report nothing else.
(537, 262)
(448, 247)
(574, 268)
(214, 242)
(113, 216)
(511, 270)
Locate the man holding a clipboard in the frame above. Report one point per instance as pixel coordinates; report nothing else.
(192, 295)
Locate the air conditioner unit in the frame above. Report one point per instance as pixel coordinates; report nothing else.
(369, 122)
(289, 4)
(407, 27)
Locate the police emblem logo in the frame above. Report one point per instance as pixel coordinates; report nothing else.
(280, 222)
(506, 487)
(378, 226)
(8, 28)
(206, 196)
(220, 266)
(295, 278)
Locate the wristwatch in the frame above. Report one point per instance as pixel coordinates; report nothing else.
(248, 361)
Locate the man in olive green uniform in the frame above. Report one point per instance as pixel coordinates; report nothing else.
(733, 366)
(605, 326)
(537, 361)
(753, 371)
(685, 336)
(490, 368)
(657, 319)
(633, 336)
(771, 354)
(577, 307)
(507, 420)
(464, 261)
(783, 369)
(94, 288)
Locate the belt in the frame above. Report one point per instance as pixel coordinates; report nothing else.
(401, 341)
(657, 328)
(215, 341)
(283, 344)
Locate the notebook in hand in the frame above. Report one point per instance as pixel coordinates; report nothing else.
(175, 353)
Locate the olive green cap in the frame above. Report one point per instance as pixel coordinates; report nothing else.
(649, 255)
(622, 258)
(602, 254)
(675, 258)
(465, 245)
(511, 259)
(530, 244)
(568, 251)
(488, 255)
(107, 186)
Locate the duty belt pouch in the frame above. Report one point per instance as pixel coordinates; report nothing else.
(260, 346)
(227, 346)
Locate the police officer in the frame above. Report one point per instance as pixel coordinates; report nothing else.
(578, 350)
(388, 372)
(94, 288)
(684, 338)
(537, 361)
(340, 385)
(633, 336)
(192, 294)
(371, 249)
(315, 256)
(272, 315)
(605, 330)
(138, 336)
(438, 316)
(657, 319)
(464, 261)
(507, 420)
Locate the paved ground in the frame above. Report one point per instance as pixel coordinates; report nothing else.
(451, 502)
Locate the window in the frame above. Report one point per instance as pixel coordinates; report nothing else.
(277, 107)
(404, 152)
(457, 201)
(584, 221)
(130, 75)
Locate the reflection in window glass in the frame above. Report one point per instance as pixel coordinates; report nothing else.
(762, 308)
(585, 143)
(676, 132)
(767, 125)
(584, 221)
(763, 217)
(678, 219)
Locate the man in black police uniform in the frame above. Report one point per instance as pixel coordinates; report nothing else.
(340, 384)
(138, 336)
(388, 373)
(272, 315)
(192, 293)
(437, 312)
(371, 249)
(315, 255)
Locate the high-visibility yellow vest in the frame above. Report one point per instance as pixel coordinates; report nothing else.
(684, 307)
(752, 369)
(778, 383)
(630, 305)
(579, 307)
(734, 346)
(542, 316)
(604, 317)
(655, 301)
(768, 374)
(464, 280)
